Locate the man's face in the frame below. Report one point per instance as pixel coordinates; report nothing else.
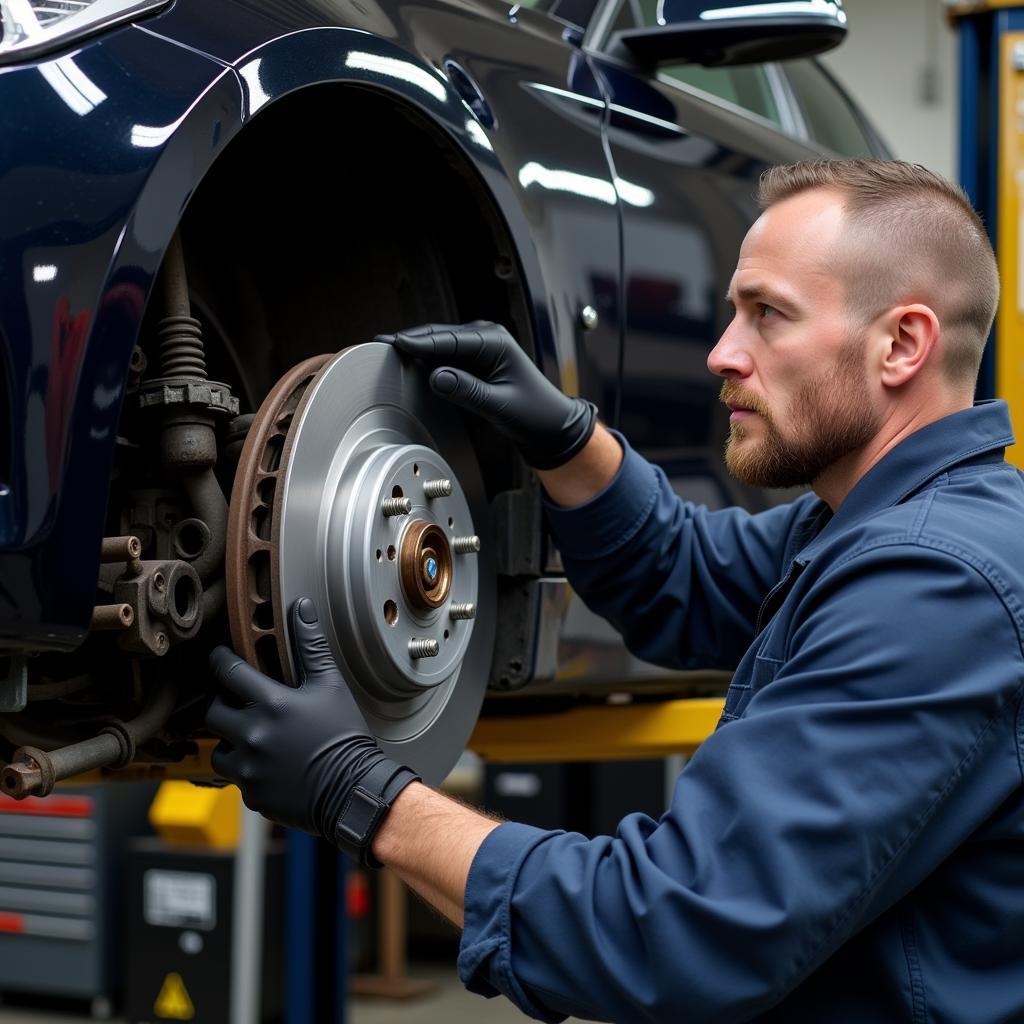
(793, 359)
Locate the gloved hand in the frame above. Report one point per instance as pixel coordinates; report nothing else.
(303, 756)
(481, 367)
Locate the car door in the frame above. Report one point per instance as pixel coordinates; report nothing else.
(690, 142)
(547, 111)
(687, 145)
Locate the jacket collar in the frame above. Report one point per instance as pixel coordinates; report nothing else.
(925, 454)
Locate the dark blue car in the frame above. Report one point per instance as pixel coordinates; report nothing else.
(204, 202)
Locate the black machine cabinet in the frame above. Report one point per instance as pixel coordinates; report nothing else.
(178, 935)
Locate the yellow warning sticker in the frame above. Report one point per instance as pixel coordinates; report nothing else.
(173, 1002)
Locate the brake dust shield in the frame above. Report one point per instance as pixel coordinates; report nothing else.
(358, 488)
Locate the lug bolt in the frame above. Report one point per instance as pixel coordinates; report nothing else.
(438, 488)
(466, 545)
(396, 506)
(424, 648)
(462, 611)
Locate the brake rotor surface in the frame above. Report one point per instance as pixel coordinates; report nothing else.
(358, 488)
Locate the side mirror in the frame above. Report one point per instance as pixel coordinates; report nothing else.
(740, 32)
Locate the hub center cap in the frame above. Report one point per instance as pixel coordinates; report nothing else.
(426, 565)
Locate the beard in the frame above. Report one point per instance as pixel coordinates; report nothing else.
(831, 418)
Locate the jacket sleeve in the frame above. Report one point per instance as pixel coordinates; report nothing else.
(885, 739)
(681, 584)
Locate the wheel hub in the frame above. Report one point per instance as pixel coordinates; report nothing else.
(357, 488)
(425, 564)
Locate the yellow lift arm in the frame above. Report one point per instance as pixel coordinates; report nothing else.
(608, 733)
(632, 732)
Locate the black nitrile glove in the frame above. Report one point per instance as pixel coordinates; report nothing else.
(481, 367)
(303, 756)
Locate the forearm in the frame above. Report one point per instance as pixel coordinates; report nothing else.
(587, 473)
(681, 584)
(430, 841)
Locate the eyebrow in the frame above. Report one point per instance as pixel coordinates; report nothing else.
(759, 292)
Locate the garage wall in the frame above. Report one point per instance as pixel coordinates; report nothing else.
(899, 61)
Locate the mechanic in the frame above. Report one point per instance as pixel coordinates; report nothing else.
(848, 845)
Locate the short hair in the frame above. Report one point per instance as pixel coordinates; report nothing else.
(909, 236)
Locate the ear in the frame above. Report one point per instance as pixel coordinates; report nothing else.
(912, 339)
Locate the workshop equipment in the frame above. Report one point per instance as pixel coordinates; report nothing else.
(990, 43)
(635, 731)
(178, 937)
(60, 874)
(589, 797)
(186, 815)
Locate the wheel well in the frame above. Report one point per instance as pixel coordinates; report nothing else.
(340, 212)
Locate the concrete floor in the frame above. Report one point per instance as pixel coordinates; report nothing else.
(450, 1003)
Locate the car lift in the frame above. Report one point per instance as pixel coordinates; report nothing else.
(990, 47)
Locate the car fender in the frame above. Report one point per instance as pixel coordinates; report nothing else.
(133, 123)
(69, 351)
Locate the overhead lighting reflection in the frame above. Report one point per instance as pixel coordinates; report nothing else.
(585, 185)
(635, 195)
(822, 8)
(146, 136)
(44, 272)
(72, 85)
(392, 67)
(476, 133)
(586, 101)
(251, 76)
(639, 115)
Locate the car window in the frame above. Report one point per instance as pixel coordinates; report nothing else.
(746, 86)
(829, 117)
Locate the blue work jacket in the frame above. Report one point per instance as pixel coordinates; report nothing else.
(848, 845)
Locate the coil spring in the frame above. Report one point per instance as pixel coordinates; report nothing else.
(181, 347)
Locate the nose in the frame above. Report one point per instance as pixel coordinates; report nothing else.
(730, 358)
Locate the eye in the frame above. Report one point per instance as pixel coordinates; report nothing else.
(764, 311)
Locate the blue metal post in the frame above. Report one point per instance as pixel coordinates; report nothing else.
(300, 929)
(341, 941)
(977, 48)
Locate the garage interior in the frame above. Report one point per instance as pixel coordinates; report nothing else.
(187, 906)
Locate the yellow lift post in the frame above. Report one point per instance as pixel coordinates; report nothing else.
(990, 44)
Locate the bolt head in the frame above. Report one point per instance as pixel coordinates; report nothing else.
(430, 570)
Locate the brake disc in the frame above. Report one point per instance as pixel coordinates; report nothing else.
(358, 488)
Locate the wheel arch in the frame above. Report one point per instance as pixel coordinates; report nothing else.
(188, 187)
(358, 195)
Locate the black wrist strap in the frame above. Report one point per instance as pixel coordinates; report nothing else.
(579, 430)
(366, 807)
